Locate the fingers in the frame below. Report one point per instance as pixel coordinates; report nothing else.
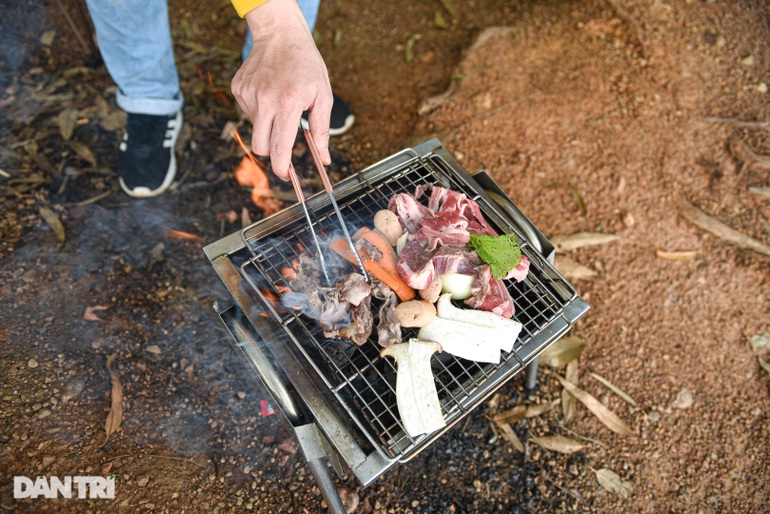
(318, 119)
(282, 136)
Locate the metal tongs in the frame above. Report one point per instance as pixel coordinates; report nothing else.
(330, 191)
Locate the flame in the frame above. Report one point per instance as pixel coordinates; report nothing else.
(186, 236)
(223, 99)
(252, 173)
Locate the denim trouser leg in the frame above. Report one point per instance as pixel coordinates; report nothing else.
(309, 9)
(135, 41)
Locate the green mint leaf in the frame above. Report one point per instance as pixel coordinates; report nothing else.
(502, 253)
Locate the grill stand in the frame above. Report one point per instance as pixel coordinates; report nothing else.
(307, 435)
(311, 410)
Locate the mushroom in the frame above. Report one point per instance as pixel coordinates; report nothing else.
(416, 396)
(387, 224)
(433, 290)
(508, 329)
(464, 340)
(415, 313)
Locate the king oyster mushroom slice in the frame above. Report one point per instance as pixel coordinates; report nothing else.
(416, 396)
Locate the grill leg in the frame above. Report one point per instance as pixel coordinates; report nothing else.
(325, 483)
(530, 378)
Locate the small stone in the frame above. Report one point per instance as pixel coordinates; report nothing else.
(154, 349)
(748, 60)
(760, 341)
(32, 363)
(142, 481)
(762, 87)
(44, 414)
(721, 41)
(246, 470)
(684, 399)
(241, 395)
(628, 220)
(653, 416)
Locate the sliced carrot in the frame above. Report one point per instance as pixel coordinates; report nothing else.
(388, 260)
(380, 272)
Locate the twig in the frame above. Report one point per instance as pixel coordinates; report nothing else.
(93, 199)
(764, 125)
(75, 28)
(596, 441)
(154, 456)
(562, 489)
(719, 229)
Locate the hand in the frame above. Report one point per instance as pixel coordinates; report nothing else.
(283, 75)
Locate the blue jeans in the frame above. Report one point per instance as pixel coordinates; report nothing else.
(135, 42)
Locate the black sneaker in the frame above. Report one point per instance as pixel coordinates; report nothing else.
(341, 121)
(146, 160)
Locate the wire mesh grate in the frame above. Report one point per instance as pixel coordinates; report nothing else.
(364, 382)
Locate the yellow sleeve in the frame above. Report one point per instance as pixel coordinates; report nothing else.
(244, 6)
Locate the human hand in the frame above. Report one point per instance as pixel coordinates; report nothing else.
(283, 76)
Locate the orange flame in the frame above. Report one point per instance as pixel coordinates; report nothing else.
(185, 236)
(252, 173)
(223, 99)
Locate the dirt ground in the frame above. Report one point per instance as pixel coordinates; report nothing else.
(594, 117)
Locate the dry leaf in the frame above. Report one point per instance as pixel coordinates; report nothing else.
(764, 191)
(67, 120)
(511, 437)
(90, 314)
(578, 199)
(522, 411)
(612, 482)
(612, 387)
(573, 270)
(54, 222)
(568, 402)
(436, 101)
(409, 50)
(439, 21)
(562, 351)
(48, 37)
(684, 255)
(450, 9)
(719, 229)
(606, 416)
(567, 243)
(764, 364)
(115, 416)
(510, 416)
(558, 443)
(84, 152)
(748, 157)
(113, 121)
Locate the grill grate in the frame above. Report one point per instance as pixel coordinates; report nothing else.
(363, 382)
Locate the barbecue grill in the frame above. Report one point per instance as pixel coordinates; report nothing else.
(337, 398)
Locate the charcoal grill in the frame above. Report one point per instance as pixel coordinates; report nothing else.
(339, 399)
